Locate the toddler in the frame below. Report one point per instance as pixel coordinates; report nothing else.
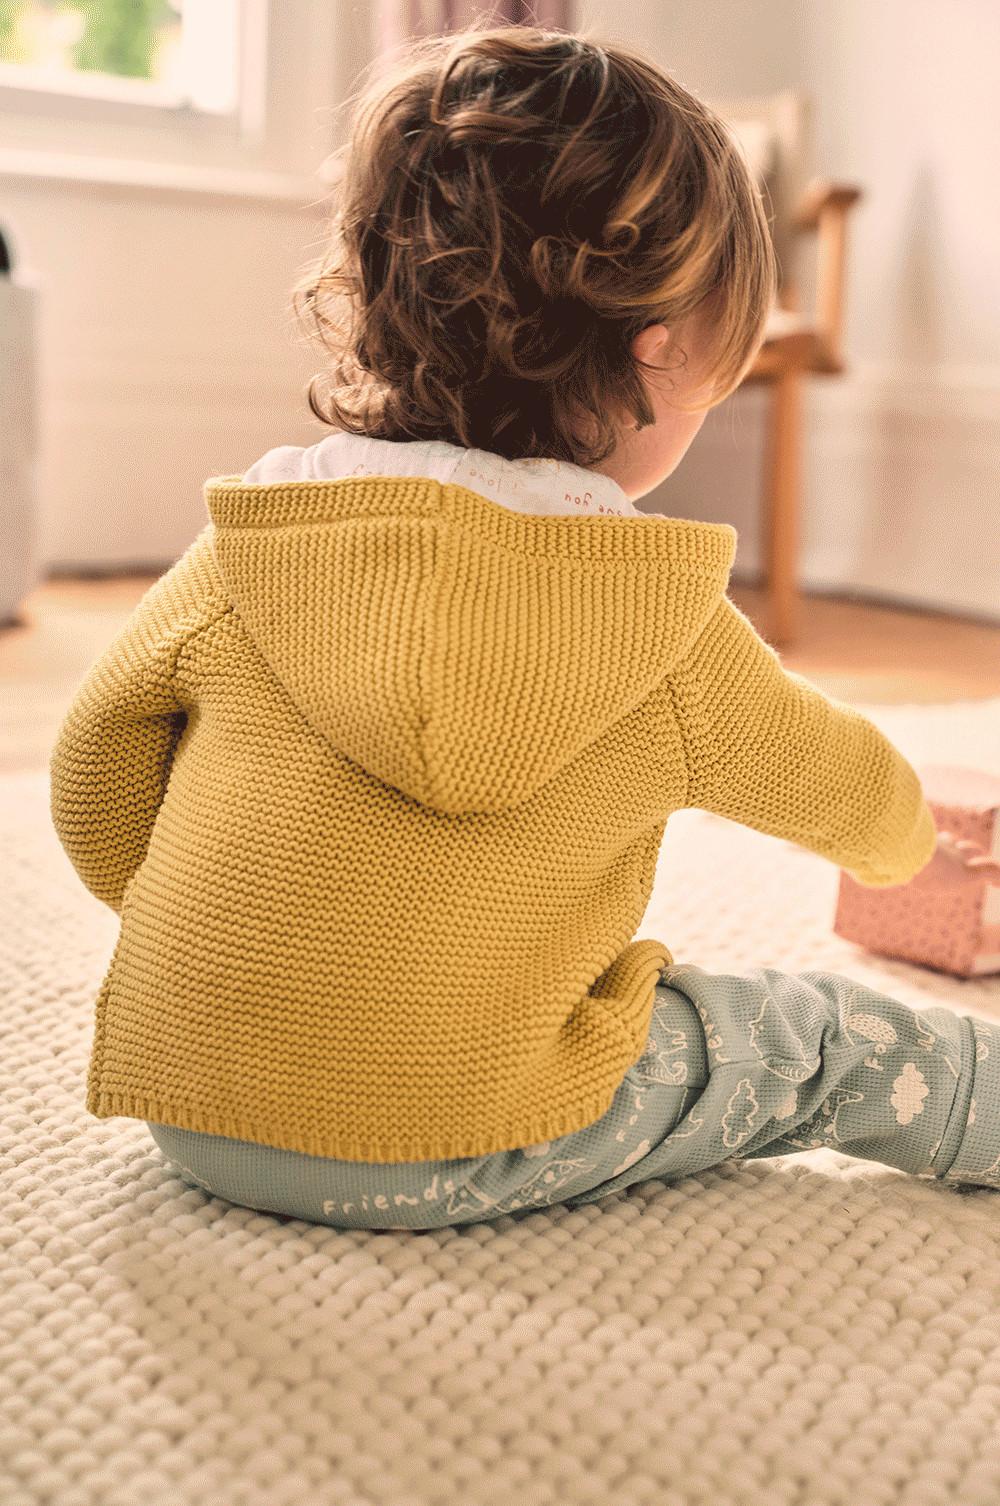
(377, 773)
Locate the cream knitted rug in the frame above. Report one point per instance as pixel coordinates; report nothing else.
(807, 1331)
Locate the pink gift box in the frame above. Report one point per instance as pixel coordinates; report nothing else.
(954, 929)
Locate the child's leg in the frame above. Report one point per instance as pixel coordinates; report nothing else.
(781, 1063)
(735, 1066)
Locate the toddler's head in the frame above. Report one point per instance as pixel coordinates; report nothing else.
(541, 246)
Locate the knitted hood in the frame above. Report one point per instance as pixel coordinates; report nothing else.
(459, 651)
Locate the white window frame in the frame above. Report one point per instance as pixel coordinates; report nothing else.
(83, 96)
(292, 66)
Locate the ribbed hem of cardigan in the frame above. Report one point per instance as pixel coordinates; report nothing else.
(513, 1136)
(623, 993)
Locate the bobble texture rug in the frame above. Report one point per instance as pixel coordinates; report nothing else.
(809, 1330)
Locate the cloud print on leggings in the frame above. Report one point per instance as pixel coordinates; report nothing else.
(741, 1111)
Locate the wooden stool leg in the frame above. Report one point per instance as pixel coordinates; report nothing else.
(782, 486)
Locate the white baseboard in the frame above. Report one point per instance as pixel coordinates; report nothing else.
(126, 456)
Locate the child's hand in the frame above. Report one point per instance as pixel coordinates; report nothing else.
(957, 861)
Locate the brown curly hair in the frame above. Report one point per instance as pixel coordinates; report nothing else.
(516, 204)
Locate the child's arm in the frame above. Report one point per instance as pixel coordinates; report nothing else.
(769, 750)
(109, 764)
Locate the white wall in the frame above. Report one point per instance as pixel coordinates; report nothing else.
(164, 259)
(902, 462)
(162, 359)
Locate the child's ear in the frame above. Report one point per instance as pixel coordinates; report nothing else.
(649, 343)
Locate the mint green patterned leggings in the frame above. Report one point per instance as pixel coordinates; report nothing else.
(736, 1066)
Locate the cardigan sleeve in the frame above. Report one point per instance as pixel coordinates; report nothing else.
(111, 759)
(768, 749)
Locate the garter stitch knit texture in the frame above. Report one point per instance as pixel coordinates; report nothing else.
(380, 736)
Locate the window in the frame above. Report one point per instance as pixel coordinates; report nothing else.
(204, 96)
(182, 55)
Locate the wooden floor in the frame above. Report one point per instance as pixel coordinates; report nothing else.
(887, 653)
(855, 651)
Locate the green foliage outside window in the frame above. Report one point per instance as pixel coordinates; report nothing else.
(118, 36)
(12, 49)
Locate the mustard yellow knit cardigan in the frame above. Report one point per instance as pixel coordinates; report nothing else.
(376, 776)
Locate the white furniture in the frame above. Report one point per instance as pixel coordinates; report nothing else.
(18, 437)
